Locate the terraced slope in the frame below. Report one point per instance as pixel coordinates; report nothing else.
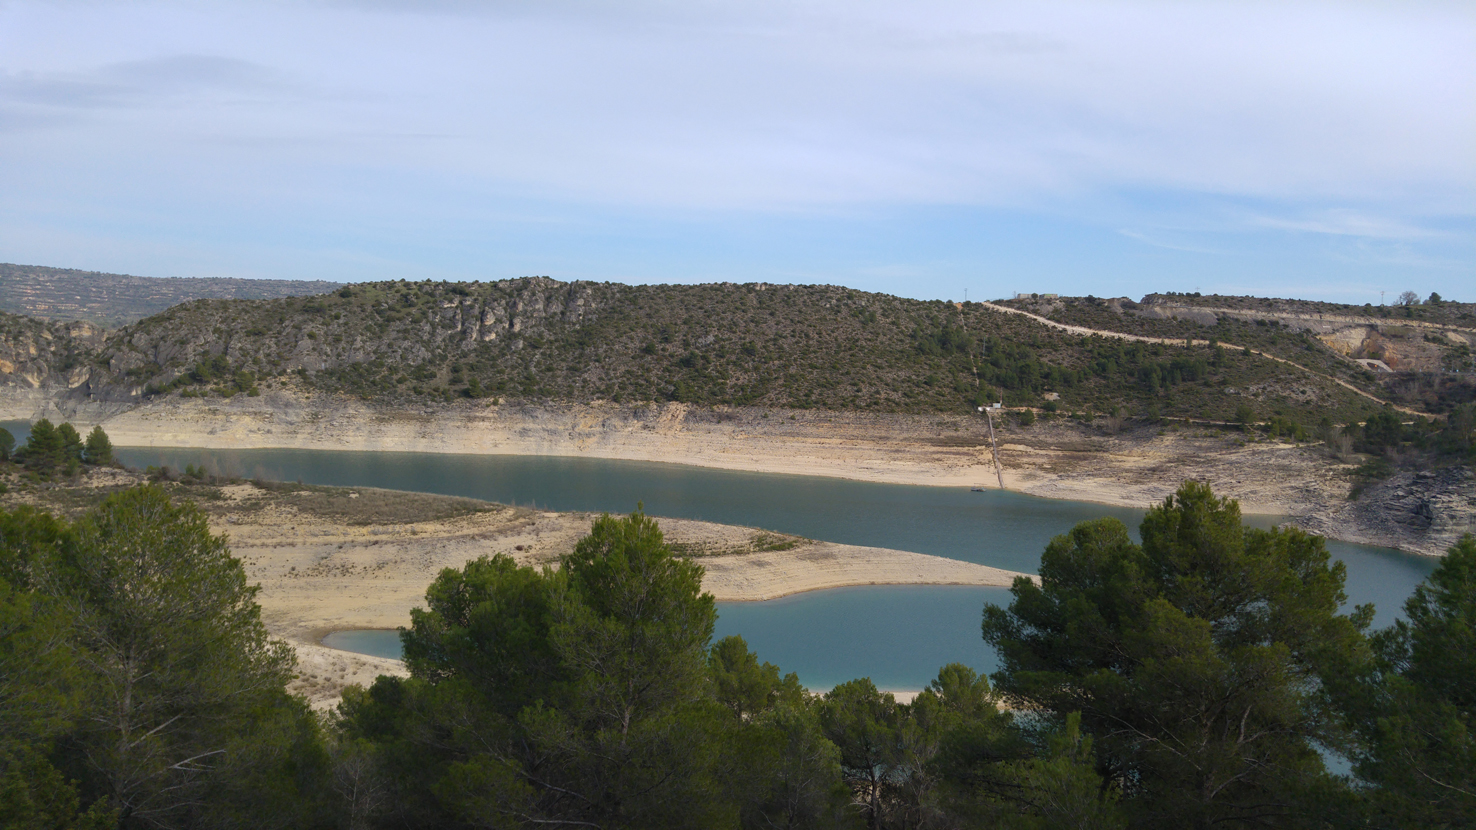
(65, 294)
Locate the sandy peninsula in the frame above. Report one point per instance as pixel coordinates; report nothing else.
(321, 568)
(330, 558)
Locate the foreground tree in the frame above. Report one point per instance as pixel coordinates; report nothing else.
(137, 686)
(775, 763)
(1416, 710)
(865, 724)
(41, 688)
(1196, 660)
(576, 697)
(187, 721)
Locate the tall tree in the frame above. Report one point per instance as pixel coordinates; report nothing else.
(776, 764)
(1196, 660)
(171, 642)
(42, 690)
(865, 724)
(43, 450)
(71, 442)
(41, 694)
(746, 686)
(98, 450)
(1416, 711)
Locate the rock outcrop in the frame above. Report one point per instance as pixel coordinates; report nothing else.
(1422, 512)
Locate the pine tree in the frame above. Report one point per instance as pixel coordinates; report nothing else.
(1195, 659)
(98, 450)
(1416, 710)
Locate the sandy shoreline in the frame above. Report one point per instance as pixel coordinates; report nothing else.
(319, 571)
(1133, 464)
(1058, 459)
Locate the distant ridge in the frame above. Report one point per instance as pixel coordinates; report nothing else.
(112, 300)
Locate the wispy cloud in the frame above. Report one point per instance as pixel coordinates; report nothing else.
(1158, 241)
(136, 83)
(1348, 223)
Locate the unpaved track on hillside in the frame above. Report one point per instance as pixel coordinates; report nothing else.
(1316, 318)
(1180, 341)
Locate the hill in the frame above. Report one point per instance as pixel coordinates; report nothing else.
(800, 347)
(111, 300)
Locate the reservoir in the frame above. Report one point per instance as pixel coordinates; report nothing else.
(897, 635)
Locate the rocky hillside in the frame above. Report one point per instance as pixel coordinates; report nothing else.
(37, 353)
(802, 347)
(1423, 511)
(116, 299)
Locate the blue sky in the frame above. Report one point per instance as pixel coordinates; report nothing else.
(925, 148)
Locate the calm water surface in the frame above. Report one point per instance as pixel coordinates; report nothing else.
(1007, 530)
(898, 635)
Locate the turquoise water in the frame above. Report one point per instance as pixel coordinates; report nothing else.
(376, 642)
(1006, 530)
(898, 635)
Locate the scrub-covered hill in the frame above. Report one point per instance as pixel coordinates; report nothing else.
(803, 347)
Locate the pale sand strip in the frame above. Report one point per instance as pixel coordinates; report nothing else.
(821, 565)
(1053, 459)
(336, 558)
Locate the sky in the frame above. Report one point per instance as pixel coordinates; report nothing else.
(929, 148)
